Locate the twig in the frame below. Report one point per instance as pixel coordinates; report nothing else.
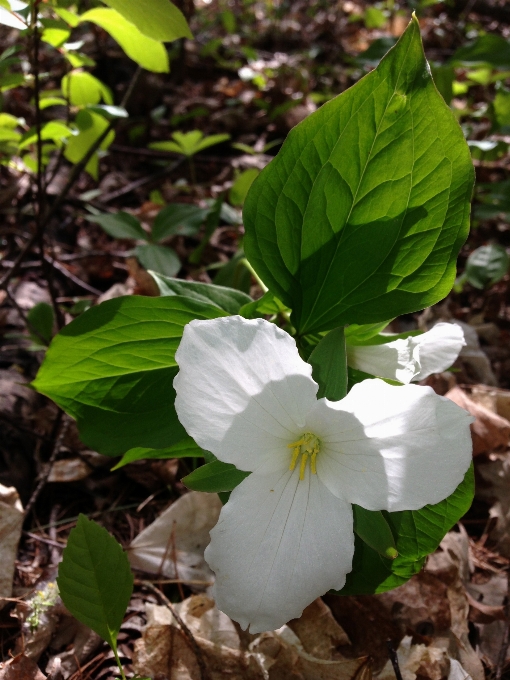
(137, 184)
(17, 262)
(394, 659)
(506, 635)
(61, 426)
(60, 268)
(204, 673)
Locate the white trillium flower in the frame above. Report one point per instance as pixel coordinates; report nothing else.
(285, 537)
(413, 358)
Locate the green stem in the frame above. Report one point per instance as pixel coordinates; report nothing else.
(114, 650)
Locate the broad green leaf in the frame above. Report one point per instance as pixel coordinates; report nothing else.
(95, 579)
(69, 17)
(158, 19)
(235, 274)
(502, 107)
(91, 126)
(109, 112)
(41, 318)
(227, 299)
(239, 190)
(113, 367)
(358, 334)
(146, 52)
(487, 149)
(189, 143)
(53, 131)
(362, 213)
(329, 365)
(417, 533)
(178, 218)
(46, 102)
(83, 88)
(211, 223)
(211, 140)
(55, 32)
(486, 49)
(161, 259)
(265, 305)
(486, 265)
(119, 225)
(215, 477)
(374, 18)
(375, 531)
(186, 448)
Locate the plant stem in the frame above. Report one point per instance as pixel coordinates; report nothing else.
(114, 650)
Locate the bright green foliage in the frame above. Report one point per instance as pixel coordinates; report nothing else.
(186, 448)
(54, 131)
(361, 215)
(95, 579)
(486, 265)
(146, 52)
(82, 88)
(91, 127)
(417, 533)
(215, 477)
(112, 369)
(227, 299)
(158, 19)
(502, 107)
(329, 364)
(189, 143)
(374, 530)
(240, 188)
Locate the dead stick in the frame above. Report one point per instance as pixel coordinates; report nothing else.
(394, 659)
(506, 635)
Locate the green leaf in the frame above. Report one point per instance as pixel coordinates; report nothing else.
(486, 49)
(211, 223)
(54, 131)
(502, 107)
(227, 299)
(91, 127)
(266, 305)
(161, 259)
(82, 88)
(146, 52)
(95, 579)
(486, 265)
(417, 533)
(357, 334)
(189, 143)
(375, 531)
(240, 188)
(107, 111)
(215, 477)
(362, 213)
(158, 19)
(329, 365)
(41, 318)
(119, 225)
(113, 367)
(235, 274)
(178, 218)
(186, 448)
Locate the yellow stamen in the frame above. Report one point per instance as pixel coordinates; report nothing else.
(313, 465)
(303, 466)
(295, 456)
(298, 443)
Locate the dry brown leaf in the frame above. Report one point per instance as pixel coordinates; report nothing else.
(174, 544)
(489, 431)
(69, 470)
(320, 633)
(21, 668)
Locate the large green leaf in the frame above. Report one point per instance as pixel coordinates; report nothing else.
(417, 533)
(186, 448)
(228, 299)
(95, 579)
(146, 52)
(361, 215)
(215, 477)
(158, 19)
(113, 367)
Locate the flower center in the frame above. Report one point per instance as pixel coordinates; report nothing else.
(308, 446)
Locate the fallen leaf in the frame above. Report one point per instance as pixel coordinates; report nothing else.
(174, 544)
(21, 668)
(489, 431)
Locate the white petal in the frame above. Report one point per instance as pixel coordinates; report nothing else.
(243, 391)
(412, 358)
(279, 544)
(391, 448)
(438, 348)
(394, 360)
